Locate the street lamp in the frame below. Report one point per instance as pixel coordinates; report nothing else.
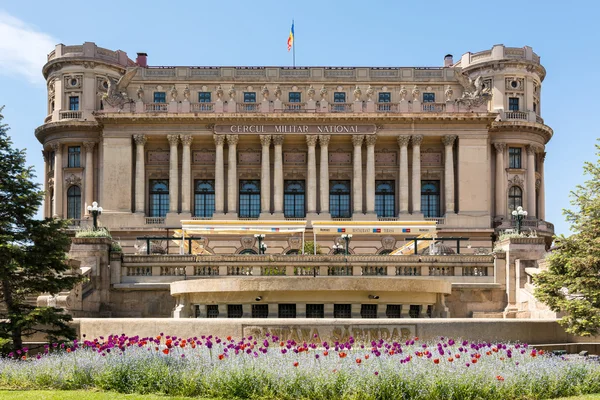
(519, 214)
(95, 211)
(347, 238)
(337, 248)
(262, 247)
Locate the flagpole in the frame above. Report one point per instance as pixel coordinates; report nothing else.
(294, 47)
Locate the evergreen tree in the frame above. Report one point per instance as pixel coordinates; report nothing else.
(32, 254)
(572, 282)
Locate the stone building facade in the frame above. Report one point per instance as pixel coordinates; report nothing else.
(368, 151)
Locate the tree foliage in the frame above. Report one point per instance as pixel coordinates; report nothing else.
(572, 282)
(32, 254)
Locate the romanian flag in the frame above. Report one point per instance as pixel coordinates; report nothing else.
(341, 230)
(291, 37)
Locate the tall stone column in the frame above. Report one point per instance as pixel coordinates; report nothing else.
(448, 141)
(370, 181)
(278, 174)
(265, 175)
(324, 173)
(542, 189)
(186, 174)
(47, 211)
(416, 173)
(173, 174)
(58, 181)
(89, 174)
(219, 175)
(140, 175)
(357, 173)
(500, 180)
(531, 153)
(232, 187)
(311, 186)
(403, 173)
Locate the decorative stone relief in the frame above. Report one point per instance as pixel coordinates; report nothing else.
(203, 156)
(265, 93)
(295, 242)
(140, 93)
(514, 83)
(204, 174)
(474, 93)
(158, 174)
(277, 92)
(247, 242)
(449, 92)
(295, 174)
(323, 92)
(158, 157)
(294, 157)
(340, 157)
(388, 242)
(219, 92)
(416, 93)
(231, 93)
(387, 157)
(249, 157)
(73, 180)
(516, 180)
(403, 93)
(431, 158)
(311, 92)
(186, 93)
(73, 81)
(370, 93)
(50, 183)
(357, 93)
(173, 94)
(538, 183)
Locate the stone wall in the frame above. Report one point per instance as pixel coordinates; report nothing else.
(467, 299)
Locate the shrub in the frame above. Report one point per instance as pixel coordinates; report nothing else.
(91, 233)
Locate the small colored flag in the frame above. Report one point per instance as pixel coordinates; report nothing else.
(341, 230)
(291, 37)
(376, 230)
(404, 230)
(274, 229)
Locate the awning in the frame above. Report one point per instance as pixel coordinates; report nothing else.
(207, 227)
(409, 228)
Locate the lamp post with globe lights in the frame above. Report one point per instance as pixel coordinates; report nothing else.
(262, 247)
(519, 214)
(95, 211)
(347, 238)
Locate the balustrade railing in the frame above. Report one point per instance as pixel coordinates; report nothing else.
(272, 271)
(156, 107)
(374, 271)
(294, 107)
(516, 115)
(248, 107)
(172, 271)
(155, 220)
(433, 107)
(441, 271)
(339, 271)
(539, 119)
(474, 271)
(206, 271)
(237, 271)
(437, 220)
(70, 114)
(408, 271)
(202, 107)
(386, 107)
(340, 107)
(139, 271)
(307, 271)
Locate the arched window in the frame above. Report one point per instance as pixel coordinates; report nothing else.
(249, 199)
(515, 198)
(159, 197)
(430, 199)
(384, 198)
(294, 199)
(385, 252)
(247, 251)
(74, 203)
(204, 198)
(339, 199)
(293, 252)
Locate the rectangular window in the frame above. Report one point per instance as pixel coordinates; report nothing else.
(159, 197)
(513, 103)
(52, 159)
(234, 311)
(249, 97)
(514, 157)
(385, 97)
(74, 157)
(393, 311)
(315, 311)
(339, 97)
(414, 311)
(428, 97)
(203, 97)
(74, 103)
(212, 311)
(160, 97)
(430, 199)
(368, 310)
(249, 199)
(287, 311)
(294, 97)
(385, 199)
(342, 311)
(293, 199)
(260, 311)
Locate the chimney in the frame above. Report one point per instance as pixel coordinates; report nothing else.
(448, 61)
(142, 60)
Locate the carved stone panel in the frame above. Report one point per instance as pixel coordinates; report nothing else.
(388, 242)
(247, 242)
(339, 157)
(431, 158)
(158, 157)
(249, 157)
(203, 157)
(385, 157)
(295, 242)
(294, 157)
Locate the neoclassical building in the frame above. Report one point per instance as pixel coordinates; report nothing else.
(211, 157)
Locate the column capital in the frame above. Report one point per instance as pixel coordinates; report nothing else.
(371, 140)
(278, 140)
(140, 139)
(416, 140)
(219, 139)
(173, 139)
(500, 147)
(357, 140)
(403, 140)
(89, 146)
(324, 140)
(448, 140)
(265, 140)
(56, 147)
(311, 140)
(232, 140)
(186, 140)
(531, 149)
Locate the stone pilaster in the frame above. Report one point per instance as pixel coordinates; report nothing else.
(311, 186)
(542, 197)
(530, 189)
(186, 174)
(173, 174)
(324, 173)
(416, 173)
(500, 180)
(232, 188)
(278, 174)
(89, 174)
(357, 174)
(219, 175)
(140, 175)
(448, 141)
(403, 181)
(58, 181)
(265, 175)
(370, 181)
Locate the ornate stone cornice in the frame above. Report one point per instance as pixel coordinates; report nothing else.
(186, 140)
(265, 140)
(311, 140)
(140, 139)
(357, 140)
(278, 139)
(232, 140)
(324, 140)
(371, 140)
(403, 140)
(500, 147)
(87, 62)
(416, 140)
(543, 130)
(448, 140)
(42, 132)
(219, 139)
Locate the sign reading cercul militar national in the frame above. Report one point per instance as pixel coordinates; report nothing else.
(296, 128)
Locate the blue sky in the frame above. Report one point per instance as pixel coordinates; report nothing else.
(335, 33)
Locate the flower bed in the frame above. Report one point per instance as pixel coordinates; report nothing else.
(272, 368)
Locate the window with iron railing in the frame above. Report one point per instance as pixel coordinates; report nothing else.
(260, 310)
(342, 311)
(287, 311)
(368, 310)
(234, 311)
(393, 311)
(212, 311)
(315, 311)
